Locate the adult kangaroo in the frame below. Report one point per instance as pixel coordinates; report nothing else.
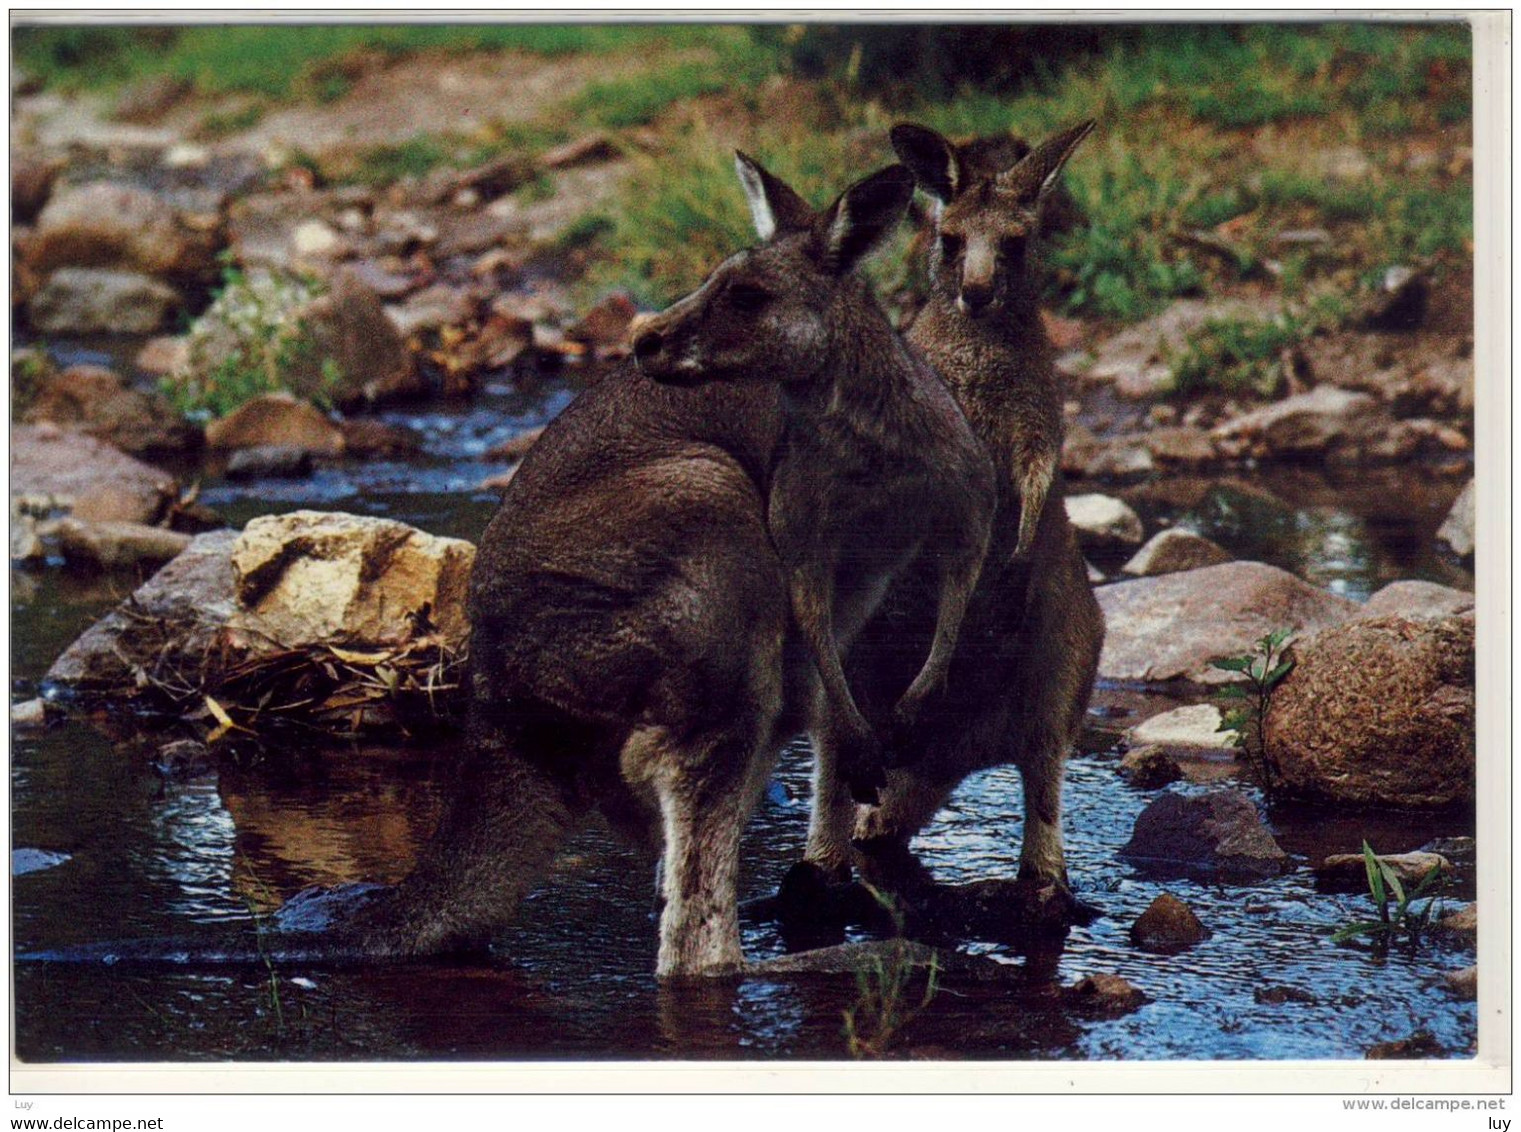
(631, 644)
(1024, 668)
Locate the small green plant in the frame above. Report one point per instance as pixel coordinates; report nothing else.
(1398, 915)
(1264, 668)
(28, 369)
(537, 189)
(250, 341)
(258, 902)
(884, 1004)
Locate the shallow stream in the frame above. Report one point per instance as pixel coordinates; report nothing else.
(104, 848)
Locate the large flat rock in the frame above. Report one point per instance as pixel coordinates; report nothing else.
(1171, 627)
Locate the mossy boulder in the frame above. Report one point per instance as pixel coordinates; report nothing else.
(1379, 711)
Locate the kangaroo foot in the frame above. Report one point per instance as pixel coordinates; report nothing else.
(1048, 905)
(806, 890)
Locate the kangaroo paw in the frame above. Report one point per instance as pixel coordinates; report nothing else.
(863, 766)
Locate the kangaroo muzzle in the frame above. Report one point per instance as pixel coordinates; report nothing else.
(662, 345)
(979, 281)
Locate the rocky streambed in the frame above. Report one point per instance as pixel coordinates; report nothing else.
(436, 345)
(127, 835)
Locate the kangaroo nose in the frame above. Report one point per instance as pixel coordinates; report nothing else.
(975, 300)
(647, 344)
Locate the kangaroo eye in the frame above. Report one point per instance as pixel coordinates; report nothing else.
(950, 246)
(748, 297)
(1011, 248)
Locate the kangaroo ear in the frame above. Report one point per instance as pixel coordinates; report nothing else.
(932, 159)
(773, 205)
(1033, 178)
(865, 212)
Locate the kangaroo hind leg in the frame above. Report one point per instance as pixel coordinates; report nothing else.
(706, 788)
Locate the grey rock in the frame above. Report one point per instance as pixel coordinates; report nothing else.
(1181, 446)
(110, 545)
(276, 420)
(172, 621)
(1214, 837)
(269, 460)
(1417, 601)
(1197, 725)
(1103, 523)
(1134, 360)
(89, 300)
(29, 713)
(1149, 768)
(1351, 868)
(184, 759)
(118, 226)
(1457, 530)
(848, 958)
(26, 541)
(32, 181)
(1463, 984)
(1306, 426)
(94, 400)
(89, 476)
(1105, 995)
(1464, 921)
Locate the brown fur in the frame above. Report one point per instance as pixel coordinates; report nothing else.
(877, 465)
(631, 647)
(1020, 680)
(629, 655)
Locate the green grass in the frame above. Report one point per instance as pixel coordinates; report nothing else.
(414, 157)
(684, 211)
(1176, 106)
(275, 60)
(1398, 220)
(635, 101)
(1120, 265)
(1199, 125)
(221, 124)
(1243, 356)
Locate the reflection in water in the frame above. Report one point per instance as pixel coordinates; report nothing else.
(572, 975)
(195, 835)
(357, 815)
(1350, 537)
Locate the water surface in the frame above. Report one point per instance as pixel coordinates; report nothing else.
(114, 851)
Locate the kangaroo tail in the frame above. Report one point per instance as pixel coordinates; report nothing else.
(510, 810)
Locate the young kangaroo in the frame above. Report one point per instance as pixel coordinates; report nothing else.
(877, 466)
(1019, 682)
